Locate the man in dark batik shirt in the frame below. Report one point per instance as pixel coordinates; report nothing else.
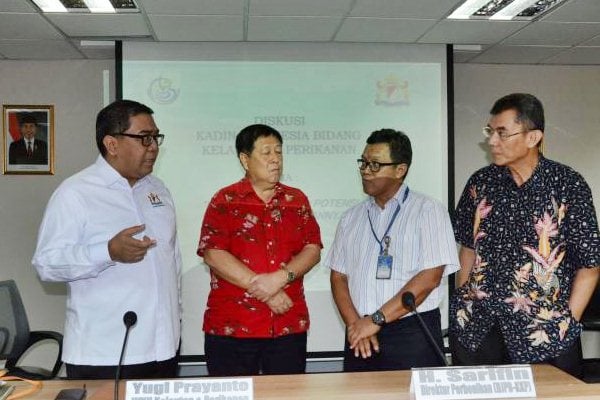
(530, 250)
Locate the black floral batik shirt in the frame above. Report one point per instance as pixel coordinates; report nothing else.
(529, 242)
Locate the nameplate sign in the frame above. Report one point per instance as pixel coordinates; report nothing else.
(481, 382)
(191, 389)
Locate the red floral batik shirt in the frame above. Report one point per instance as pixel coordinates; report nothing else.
(265, 237)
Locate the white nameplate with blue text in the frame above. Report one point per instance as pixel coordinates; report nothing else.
(191, 389)
(480, 382)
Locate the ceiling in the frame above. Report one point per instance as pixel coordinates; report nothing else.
(567, 35)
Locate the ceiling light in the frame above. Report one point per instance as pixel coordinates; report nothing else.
(467, 9)
(503, 9)
(99, 6)
(513, 9)
(50, 5)
(86, 6)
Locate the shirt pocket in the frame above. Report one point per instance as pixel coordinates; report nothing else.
(160, 224)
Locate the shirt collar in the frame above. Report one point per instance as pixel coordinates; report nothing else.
(246, 189)
(111, 176)
(534, 180)
(394, 201)
(538, 173)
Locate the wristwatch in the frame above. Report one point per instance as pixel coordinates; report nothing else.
(291, 276)
(378, 318)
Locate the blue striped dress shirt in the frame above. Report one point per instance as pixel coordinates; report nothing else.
(421, 238)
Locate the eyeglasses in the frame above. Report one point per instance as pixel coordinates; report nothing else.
(375, 166)
(488, 132)
(145, 139)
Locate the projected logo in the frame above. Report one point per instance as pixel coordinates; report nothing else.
(161, 91)
(391, 91)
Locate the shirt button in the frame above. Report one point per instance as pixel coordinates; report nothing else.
(272, 261)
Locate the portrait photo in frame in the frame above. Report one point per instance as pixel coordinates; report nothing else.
(28, 134)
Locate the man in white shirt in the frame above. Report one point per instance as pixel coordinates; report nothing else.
(396, 241)
(109, 232)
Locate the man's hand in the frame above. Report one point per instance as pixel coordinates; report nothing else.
(264, 286)
(366, 347)
(280, 303)
(360, 329)
(123, 247)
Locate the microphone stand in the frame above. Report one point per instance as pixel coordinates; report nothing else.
(408, 301)
(129, 319)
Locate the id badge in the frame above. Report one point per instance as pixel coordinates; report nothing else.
(384, 266)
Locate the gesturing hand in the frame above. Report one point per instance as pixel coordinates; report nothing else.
(123, 247)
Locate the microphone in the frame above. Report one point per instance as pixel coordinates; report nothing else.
(408, 301)
(129, 319)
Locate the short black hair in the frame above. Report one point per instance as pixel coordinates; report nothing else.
(114, 118)
(399, 143)
(529, 109)
(27, 118)
(244, 141)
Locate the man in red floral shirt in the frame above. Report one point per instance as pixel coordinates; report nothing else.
(259, 237)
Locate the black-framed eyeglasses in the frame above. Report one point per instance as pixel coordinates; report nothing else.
(145, 139)
(374, 166)
(488, 132)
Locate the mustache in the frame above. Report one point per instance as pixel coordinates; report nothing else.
(379, 179)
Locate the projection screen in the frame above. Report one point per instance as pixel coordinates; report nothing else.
(325, 99)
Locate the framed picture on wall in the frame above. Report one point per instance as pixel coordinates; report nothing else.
(28, 134)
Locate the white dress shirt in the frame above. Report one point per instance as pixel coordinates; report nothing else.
(421, 238)
(83, 214)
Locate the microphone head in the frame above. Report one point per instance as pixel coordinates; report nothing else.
(129, 319)
(408, 300)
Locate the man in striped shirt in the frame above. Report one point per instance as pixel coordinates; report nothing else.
(396, 241)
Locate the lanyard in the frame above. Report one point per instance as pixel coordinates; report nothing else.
(385, 235)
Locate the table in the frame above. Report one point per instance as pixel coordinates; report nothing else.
(551, 383)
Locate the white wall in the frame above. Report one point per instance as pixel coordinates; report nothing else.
(571, 101)
(75, 88)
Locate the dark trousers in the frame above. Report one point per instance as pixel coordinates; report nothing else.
(493, 351)
(402, 345)
(151, 370)
(229, 356)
